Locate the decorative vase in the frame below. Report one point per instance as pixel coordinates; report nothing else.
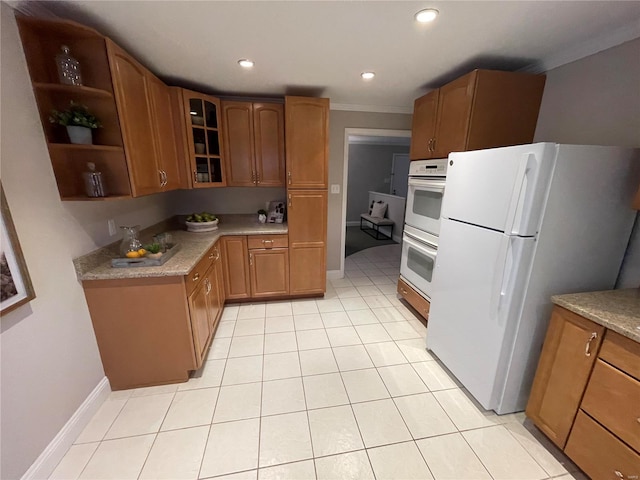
(262, 218)
(79, 135)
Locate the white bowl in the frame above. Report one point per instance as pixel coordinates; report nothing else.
(200, 227)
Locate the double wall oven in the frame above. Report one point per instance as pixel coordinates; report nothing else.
(422, 223)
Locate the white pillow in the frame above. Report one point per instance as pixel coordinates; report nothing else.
(379, 209)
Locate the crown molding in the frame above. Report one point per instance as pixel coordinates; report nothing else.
(586, 48)
(348, 107)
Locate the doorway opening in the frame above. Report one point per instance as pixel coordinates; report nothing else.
(376, 165)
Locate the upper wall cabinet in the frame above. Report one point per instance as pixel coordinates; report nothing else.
(483, 109)
(200, 128)
(253, 144)
(307, 142)
(136, 154)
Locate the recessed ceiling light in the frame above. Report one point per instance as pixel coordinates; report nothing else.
(245, 63)
(427, 15)
(367, 75)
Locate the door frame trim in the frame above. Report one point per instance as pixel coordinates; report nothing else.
(371, 132)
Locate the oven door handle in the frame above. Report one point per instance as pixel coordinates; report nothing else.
(418, 243)
(433, 186)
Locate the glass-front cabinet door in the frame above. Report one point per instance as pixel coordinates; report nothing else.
(202, 114)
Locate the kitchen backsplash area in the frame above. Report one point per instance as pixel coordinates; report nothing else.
(226, 200)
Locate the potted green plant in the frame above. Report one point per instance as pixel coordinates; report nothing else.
(79, 122)
(262, 215)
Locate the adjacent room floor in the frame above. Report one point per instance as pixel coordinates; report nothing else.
(356, 240)
(338, 388)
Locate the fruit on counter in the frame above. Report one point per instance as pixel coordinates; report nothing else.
(133, 254)
(142, 252)
(201, 217)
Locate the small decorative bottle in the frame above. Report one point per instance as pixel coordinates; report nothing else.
(93, 182)
(68, 68)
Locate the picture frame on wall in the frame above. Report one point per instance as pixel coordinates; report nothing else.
(15, 283)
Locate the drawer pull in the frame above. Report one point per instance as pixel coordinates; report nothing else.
(250, 259)
(211, 256)
(618, 474)
(587, 347)
(196, 277)
(265, 242)
(404, 292)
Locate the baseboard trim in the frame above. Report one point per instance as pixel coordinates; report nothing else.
(46, 463)
(334, 274)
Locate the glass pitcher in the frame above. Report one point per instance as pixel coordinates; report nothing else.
(130, 240)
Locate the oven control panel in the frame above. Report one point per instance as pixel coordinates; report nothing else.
(428, 168)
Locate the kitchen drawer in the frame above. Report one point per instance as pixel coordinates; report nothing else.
(416, 300)
(613, 399)
(268, 241)
(599, 453)
(197, 273)
(621, 352)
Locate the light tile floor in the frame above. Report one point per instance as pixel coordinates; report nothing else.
(337, 388)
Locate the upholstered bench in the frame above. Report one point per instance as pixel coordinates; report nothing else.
(376, 223)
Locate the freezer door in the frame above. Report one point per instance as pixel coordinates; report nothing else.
(501, 188)
(477, 296)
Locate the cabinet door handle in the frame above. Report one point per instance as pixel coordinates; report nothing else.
(587, 347)
(161, 180)
(290, 204)
(217, 253)
(208, 285)
(166, 179)
(289, 176)
(253, 176)
(429, 144)
(195, 177)
(211, 256)
(618, 474)
(250, 259)
(433, 145)
(196, 277)
(257, 178)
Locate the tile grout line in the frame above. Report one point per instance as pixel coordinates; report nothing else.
(304, 394)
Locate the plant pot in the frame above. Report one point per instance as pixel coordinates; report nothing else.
(79, 135)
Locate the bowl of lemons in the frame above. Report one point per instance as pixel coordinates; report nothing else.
(201, 222)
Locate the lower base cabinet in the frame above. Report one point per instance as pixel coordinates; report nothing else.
(155, 330)
(256, 266)
(586, 396)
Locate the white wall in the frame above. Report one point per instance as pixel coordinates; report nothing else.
(596, 101)
(50, 361)
(369, 170)
(338, 121)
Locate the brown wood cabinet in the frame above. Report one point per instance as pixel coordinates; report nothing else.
(307, 142)
(135, 149)
(256, 266)
(307, 210)
(200, 138)
(253, 143)
(236, 267)
(585, 395)
(567, 357)
(482, 109)
(155, 330)
(636, 200)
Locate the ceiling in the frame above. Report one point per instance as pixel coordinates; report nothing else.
(320, 48)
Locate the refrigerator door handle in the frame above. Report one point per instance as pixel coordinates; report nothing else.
(527, 162)
(498, 290)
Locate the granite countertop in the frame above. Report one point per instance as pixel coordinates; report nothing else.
(97, 264)
(618, 310)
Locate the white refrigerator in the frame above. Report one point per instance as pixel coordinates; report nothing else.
(520, 224)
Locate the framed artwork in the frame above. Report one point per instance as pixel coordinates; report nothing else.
(16, 287)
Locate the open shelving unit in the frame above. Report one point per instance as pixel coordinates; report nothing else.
(42, 40)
